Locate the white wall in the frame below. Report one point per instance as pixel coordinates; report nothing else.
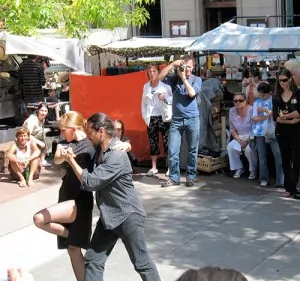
(248, 8)
(177, 10)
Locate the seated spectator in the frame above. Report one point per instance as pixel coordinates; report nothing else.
(240, 120)
(120, 129)
(262, 113)
(23, 158)
(254, 81)
(53, 114)
(35, 125)
(64, 94)
(212, 274)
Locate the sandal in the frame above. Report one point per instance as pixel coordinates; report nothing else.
(22, 184)
(286, 194)
(151, 172)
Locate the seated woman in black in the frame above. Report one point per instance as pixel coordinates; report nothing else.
(119, 127)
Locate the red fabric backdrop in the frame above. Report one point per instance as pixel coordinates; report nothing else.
(117, 96)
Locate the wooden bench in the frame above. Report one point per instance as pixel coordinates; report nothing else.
(4, 147)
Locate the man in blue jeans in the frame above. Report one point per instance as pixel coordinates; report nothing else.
(185, 87)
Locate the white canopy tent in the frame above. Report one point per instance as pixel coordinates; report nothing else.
(67, 51)
(251, 41)
(143, 47)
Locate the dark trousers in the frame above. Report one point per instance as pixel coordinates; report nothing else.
(131, 232)
(290, 154)
(155, 127)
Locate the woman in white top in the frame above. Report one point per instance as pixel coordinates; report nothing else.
(24, 154)
(35, 125)
(155, 92)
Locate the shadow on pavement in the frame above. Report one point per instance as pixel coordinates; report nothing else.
(225, 223)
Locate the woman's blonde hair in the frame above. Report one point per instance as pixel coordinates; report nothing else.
(72, 119)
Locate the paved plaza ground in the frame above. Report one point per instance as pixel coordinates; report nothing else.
(219, 222)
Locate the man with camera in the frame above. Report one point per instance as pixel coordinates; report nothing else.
(185, 87)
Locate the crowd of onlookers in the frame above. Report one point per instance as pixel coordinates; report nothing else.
(261, 118)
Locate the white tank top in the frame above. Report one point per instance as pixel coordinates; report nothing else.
(21, 155)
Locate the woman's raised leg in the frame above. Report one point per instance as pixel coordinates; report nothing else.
(50, 219)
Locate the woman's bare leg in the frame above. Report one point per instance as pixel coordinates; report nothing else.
(154, 162)
(77, 262)
(43, 155)
(18, 171)
(51, 218)
(33, 167)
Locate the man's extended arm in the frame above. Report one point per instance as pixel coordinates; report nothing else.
(165, 71)
(104, 174)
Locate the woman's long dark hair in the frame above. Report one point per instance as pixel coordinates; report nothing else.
(278, 88)
(122, 127)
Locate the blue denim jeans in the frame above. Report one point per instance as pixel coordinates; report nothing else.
(131, 232)
(191, 127)
(261, 145)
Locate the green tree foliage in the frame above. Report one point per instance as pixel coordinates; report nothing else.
(72, 17)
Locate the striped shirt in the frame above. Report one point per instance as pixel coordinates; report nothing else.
(258, 126)
(31, 80)
(112, 180)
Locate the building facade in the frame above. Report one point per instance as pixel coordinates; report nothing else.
(194, 17)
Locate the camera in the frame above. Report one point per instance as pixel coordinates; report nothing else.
(182, 68)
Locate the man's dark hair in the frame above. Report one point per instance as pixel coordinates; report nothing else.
(101, 120)
(264, 88)
(212, 274)
(190, 275)
(188, 57)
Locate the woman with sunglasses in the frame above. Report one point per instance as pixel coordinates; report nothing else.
(240, 120)
(286, 113)
(262, 113)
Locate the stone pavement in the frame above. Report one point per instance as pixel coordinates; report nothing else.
(219, 222)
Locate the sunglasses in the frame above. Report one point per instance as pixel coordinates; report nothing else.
(238, 101)
(283, 80)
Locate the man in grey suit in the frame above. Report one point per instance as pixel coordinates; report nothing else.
(122, 213)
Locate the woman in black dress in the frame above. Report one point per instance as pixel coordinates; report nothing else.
(286, 113)
(71, 218)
